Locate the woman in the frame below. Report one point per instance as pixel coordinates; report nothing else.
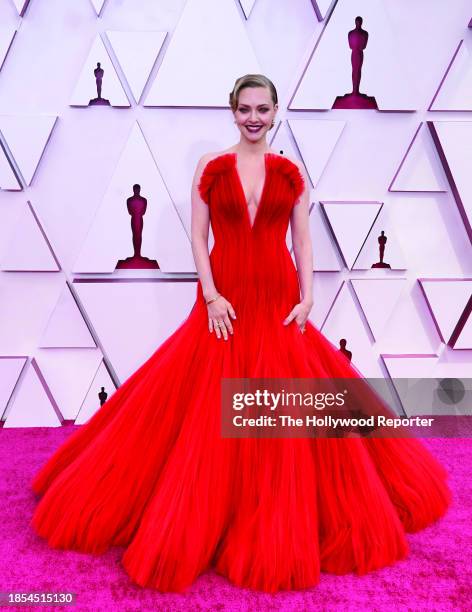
(151, 470)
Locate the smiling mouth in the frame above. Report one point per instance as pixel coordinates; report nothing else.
(253, 128)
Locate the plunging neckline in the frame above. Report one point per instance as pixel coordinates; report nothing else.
(241, 187)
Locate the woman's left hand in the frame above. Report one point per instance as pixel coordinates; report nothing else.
(300, 313)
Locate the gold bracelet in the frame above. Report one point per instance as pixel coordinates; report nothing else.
(212, 299)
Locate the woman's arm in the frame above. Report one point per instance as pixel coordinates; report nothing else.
(200, 225)
(301, 240)
(219, 310)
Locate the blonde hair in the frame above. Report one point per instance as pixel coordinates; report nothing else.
(251, 80)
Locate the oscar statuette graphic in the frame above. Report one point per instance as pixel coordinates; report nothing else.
(102, 396)
(137, 208)
(357, 39)
(382, 239)
(344, 350)
(99, 101)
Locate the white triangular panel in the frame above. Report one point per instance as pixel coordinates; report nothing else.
(28, 250)
(370, 252)
(98, 6)
(329, 72)
(10, 370)
(351, 222)
(202, 50)
(420, 169)
(447, 300)
(144, 316)
(455, 92)
(409, 328)
(455, 147)
(164, 237)
(247, 6)
(282, 140)
(323, 7)
(8, 180)
(326, 286)
(31, 406)
(68, 373)
(464, 340)
(26, 137)
(325, 256)
(378, 299)
(66, 326)
(345, 321)
(21, 6)
(136, 53)
(418, 379)
(86, 89)
(316, 141)
(91, 402)
(26, 299)
(7, 34)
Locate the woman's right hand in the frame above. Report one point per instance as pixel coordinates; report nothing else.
(219, 313)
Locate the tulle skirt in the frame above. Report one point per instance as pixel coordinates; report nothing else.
(151, 472)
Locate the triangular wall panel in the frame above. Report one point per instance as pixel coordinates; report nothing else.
(202, 50)
(27, 136)
(453, 141)
(447, 300)
(68, 373)
(136, 53)
(28, 249)
(455, 90)
(378, 299)
(33, 404)
(345, 322)
(91, 403)
(350, 223)
(8, 179)
(10, 372)
(98, 6)
(164, 238)
(247, 6)
(66, 327)
(86, 90)
(329, 70)
(420, 168)
(21, 6)
(325, 134)
(7, 35)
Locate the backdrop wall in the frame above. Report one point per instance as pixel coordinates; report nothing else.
(71, 323)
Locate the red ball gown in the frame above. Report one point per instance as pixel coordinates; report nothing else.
(151, 472)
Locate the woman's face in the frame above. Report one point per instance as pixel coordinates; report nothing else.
(254, 113)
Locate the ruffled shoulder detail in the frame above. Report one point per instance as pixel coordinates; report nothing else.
(216, 166)
(292, 172)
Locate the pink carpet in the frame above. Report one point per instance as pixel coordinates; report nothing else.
(436, 576)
